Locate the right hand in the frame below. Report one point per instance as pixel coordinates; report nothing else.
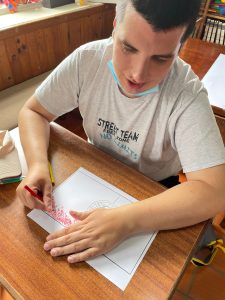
(38, 179)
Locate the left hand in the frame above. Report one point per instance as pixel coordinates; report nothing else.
(96, 232)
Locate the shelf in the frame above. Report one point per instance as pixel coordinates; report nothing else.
(215, 16)
(40, 13)
(205, 13)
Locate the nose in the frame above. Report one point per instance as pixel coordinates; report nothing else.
(140, 71)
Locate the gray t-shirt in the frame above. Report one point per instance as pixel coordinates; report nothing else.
(158, 134)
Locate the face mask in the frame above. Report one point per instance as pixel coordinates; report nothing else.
(149, 91)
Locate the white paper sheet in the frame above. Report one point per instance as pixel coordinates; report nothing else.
(214, 81)
(16, 137)
(83, 191)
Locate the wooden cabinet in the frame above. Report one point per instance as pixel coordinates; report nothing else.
(30, 50)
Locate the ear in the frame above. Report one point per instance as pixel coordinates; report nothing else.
(114, 23)
(114, 27)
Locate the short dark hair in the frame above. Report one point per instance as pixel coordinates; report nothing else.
(165, 14)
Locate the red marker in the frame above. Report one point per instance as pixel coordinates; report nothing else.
(33, 193)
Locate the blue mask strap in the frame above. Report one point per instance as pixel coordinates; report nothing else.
(110, 65)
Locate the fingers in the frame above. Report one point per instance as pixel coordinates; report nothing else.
(87, 237)
(27, 199)
(80, 250)
(62, 241)
(71, 240)
(71, 243)
(47, 196)
(80, 253)
(31, 201)
(38, 180)
(71, 248)
(84, 255)
(63, 232)
(79, 215)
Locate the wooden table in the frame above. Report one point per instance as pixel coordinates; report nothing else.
(201, 55)
(28, 272)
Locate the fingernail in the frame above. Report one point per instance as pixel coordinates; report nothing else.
(47, 246)
(54, 252)
(70, 260)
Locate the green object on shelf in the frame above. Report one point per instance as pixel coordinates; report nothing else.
(216, 2)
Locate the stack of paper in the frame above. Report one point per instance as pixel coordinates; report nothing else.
(10, 169)
(214, 82)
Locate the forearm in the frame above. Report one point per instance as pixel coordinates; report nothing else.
(34, 135)
(183, 205)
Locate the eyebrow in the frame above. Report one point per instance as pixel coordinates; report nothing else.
(128, 45)
(168, 55)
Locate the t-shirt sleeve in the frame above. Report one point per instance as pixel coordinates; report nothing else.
(59, 92)
(197, 137)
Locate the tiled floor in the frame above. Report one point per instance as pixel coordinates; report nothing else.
(203, 283)
(197, 283)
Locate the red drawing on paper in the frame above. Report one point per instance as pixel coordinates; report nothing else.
(60, 215)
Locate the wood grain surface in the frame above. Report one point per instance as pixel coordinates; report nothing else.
(31, 49)
(28, 272)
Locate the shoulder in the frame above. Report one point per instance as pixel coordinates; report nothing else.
(183, 94)
(89, 57)
(186, 80)
(182, 87)
(99, 45)
(94, 50)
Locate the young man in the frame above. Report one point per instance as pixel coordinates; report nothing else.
(144, 106)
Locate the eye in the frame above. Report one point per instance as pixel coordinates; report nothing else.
(161, 60)
(127, 48)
